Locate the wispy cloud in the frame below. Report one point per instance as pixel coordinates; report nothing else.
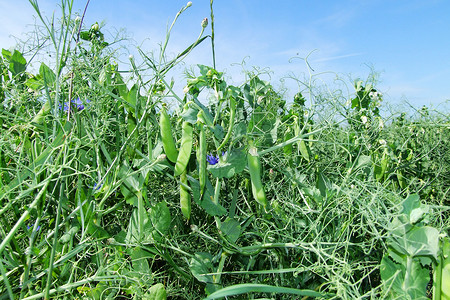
(337, 57)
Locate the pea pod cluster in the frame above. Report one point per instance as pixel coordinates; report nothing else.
(254, 166)
(167, 136)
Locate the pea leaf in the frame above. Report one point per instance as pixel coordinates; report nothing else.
(403, 283)
(200, 266)
(231, 229)
(208, 203)
(233, 164)
(190, 115)
(47, 75)
(156, 292)
(160, 218)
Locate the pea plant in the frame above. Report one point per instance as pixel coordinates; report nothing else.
(114, 184)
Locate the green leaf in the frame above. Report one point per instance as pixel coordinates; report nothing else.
(139, 228)
(35, 83)
(139, 260)
(410, 203)
(416, 241)
(404, 283)
(132, 97)
(156, 292)
(231, 229)
(97, 231)
(47, 75)
(17, 63)
(200, 266)
(160, 218)
(239, 130)
(305, 150)
(363, 160)
(208, 204)
(195, 187)
(218, 132)
(245, 288)
(190, 115)
(85, 35)
(234, 163)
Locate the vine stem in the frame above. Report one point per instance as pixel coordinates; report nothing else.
(212, 35)
(72, 74)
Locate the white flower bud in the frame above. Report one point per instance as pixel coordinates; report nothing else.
(95, 27)
(382, 142)
(131, 57)
(364, 119)
(161, 157)
(205, 22)
(186, 90)
(189, 4)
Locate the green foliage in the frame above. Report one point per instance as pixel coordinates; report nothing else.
(315, 196)
(412, 248)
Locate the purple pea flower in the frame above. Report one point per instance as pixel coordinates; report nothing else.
(96, 188)
(77, 103)
(37, 229)
(212, 160)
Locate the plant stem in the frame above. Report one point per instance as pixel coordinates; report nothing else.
(212, 35)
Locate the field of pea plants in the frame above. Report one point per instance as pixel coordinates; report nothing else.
(115, 185)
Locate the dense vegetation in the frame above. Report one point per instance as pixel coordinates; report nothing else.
(114, 185)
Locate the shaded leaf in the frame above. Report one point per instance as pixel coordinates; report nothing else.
(200, 266)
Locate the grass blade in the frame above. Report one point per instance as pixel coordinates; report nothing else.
(244, 288)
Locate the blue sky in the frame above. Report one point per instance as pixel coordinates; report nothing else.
(406, 42)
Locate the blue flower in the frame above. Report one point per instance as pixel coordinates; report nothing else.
(212, 160)
(96, 188)
(37, 229)
(77, 103)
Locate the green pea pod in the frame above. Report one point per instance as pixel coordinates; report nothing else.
(185, 148)
(185, 197)
(231, 124)
(167, 136)
(254, 166)
(201, 157)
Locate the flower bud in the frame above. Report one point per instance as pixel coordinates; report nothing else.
(364, 119)
(189, 4)
(131, 57)
(186, 90)
(95, 27)
(205, 22)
